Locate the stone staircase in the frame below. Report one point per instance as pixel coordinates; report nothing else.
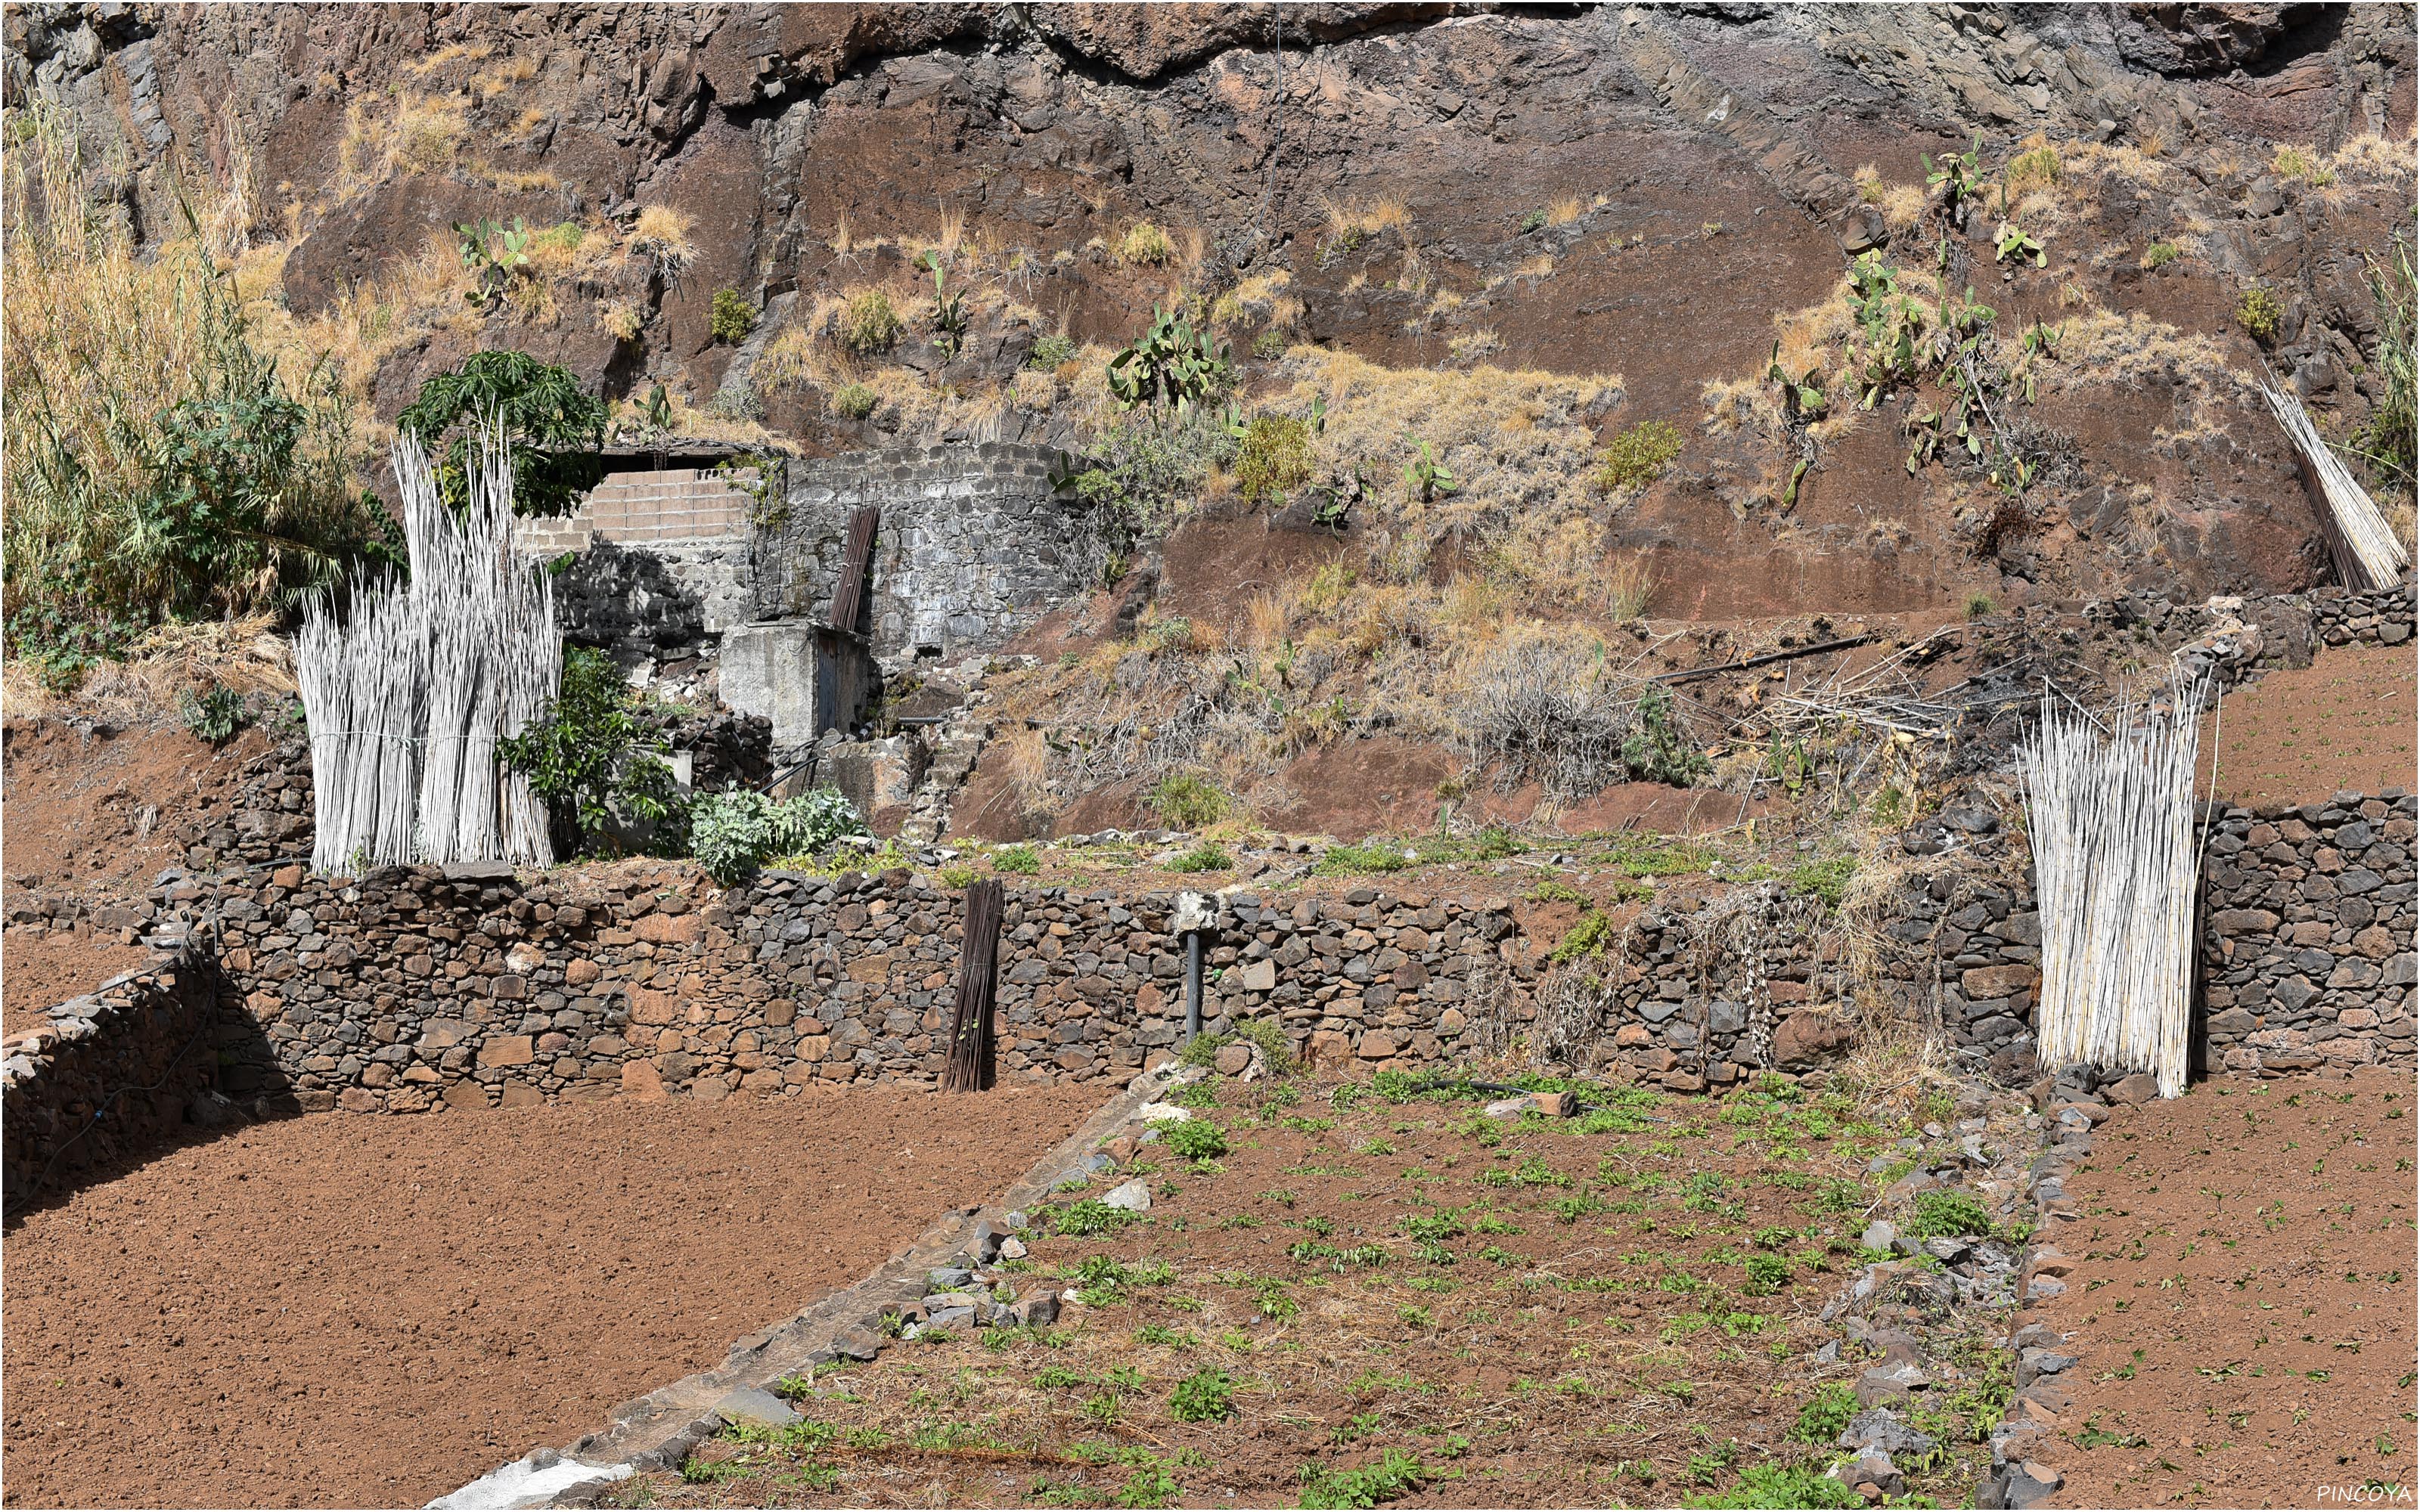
(959, 743)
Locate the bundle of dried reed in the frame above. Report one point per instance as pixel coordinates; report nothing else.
(408, 696)
(2109, 808)
(2366, 553)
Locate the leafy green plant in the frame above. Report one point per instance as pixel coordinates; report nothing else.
(1425, 478)
(1194, 1139)
(1187, 800)
(1204, 1397)
(1050, 353)
(214, 716)
(490, 252)
(1269, 345)
(1272, 459)
(733, 834)
(855, 400)
(1780, 1486)
(1824, 879)
(1394, 1474)
(1766, 1274)
(1088, 1217)
(1017, 861)
(595, 753)
(2261, 313)
(554, 430)
(730, 318)
(1205, 857)
(1591, 936)
(1171, 365)
(958, 876)
(1947, 1214)
(1978, 606)
(949, 315)
(1657, 751)
(1801, 396)
(868, 324)
(1367, 858)
(2388, 438)
(1954, 176)
(2159, 254)
(2010, 240)
(1638, 456)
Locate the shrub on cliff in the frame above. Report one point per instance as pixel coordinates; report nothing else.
(554, 428)
(734, 834)
(595, 755)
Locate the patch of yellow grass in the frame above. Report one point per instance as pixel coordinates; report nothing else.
(1365, 218)
(1903, 206)
(1564, 211)
(662, 233)
(1869, 181)
(1542, 266)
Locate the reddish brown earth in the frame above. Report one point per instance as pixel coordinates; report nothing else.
(2242, 1299)
(86, 810)
(369, 1312)
(40, 970)
(2345, 721)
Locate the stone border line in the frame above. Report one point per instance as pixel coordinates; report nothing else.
(658, 1431)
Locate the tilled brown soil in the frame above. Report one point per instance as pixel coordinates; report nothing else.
(369, 1312)
(40, 970)
(2345, 721)
(2242, 1299)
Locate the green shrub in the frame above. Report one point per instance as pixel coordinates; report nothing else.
(1088, 1217)
(1826, 1415)
(1269, 345)
(855, 400)
(2159, 254)
(733, 834)
(1589, 937)
(958, 876)
(2259, 313)
(1370, 857)
(1018, 861)
(1395, 1473)
(1638, 456)
(595, 753)
(1204, 1397)
(1978, 604)
(1948, 1215)
(1766, 1274)
(1184, 800)
(214, 717)
(1657, 751)
(1272, 458)
(1145, 243)
(1050, 352)
(1269, 1035)
(1203, 857)
(868, 323)
(731, 318)
(1778, 1485)
(554, 428)
(1194, 1139)
(1826, 879)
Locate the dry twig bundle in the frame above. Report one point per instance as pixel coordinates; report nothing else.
(2110, 811)
(408, 698)
(2368, 555)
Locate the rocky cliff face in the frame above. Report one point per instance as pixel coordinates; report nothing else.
(1657, 193)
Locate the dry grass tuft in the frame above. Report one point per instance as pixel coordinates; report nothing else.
(661, 232)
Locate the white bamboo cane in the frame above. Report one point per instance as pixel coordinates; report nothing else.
(2367, 553)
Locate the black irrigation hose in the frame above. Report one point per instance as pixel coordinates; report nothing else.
(1435, 1083)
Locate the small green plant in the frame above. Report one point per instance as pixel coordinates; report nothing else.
(2159, 254)
(2012, 242)
(1534, 221)
(854, 400)
(1589, 937)
(2259, 313)
(1185, 801)
(1050, 353)
(1955, 174)
(595, 753)
(868, 323)
(1204, 1397)
(949, 315)
(1194, 1139)
(1801, 396)
(1978, 606)
(1779, 1485)
(1395, 1473)
(214, 716)
(1657, 751)
(1824, 879)
(1272, 459)
(1766, 1274)
(733, 834)
(1425, 478)
(1269, 345)
(1367, 858)
(1152, 1486)
(731, 318)
(1170, 365)
(1017, 861)
(1638, 456)
(1203, 857)
(1087, 1217)
(958, 876)
(1145, 243)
